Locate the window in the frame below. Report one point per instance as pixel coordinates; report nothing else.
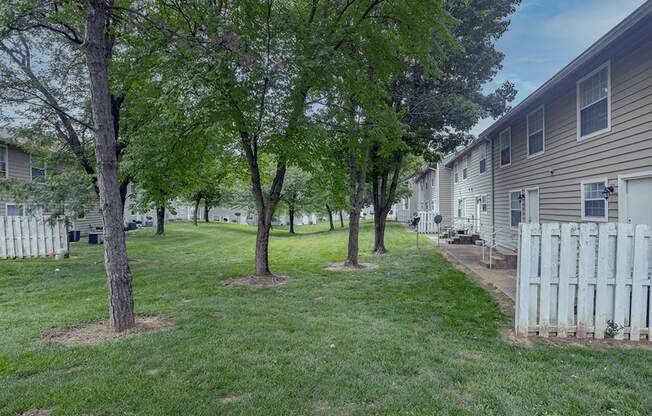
(594, 103)
(483, 203)
(535, 132)
(514, 208)
(465, 169)
(505, 139)
(456, 169)
(483, 157)
(594, 206)
(15, 210)
(460, 208)
(4, 160)
(38, 167)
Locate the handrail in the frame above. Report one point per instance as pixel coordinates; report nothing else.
(492, 245)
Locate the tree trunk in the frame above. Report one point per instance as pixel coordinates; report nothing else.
(341, 219)
(118, 275)
(330, 217)
(160, 220)
(357, 179)
(195, 214)
(291, 211)
(206, 212)
(262, 248)
(383, 192)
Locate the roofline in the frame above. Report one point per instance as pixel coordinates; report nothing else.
(599, 46)
(466, 149)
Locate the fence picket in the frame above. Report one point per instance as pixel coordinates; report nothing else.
(639, 271)
(566, 263)
(523, 288)
(40, 231)
(622, 274)
(547, 232)
(605, 232)
(3, 239)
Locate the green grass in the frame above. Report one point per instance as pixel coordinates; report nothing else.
(415, 337)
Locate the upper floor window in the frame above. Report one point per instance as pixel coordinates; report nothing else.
(465, 169)
(456, 175)
(535, 132)
(505, 141)
(594, 103)
(38, 167)
(4, 160)
(594, 206)
(483, 157)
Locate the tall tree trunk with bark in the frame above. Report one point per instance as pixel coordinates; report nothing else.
(383, 192)
(291, 214)
(341, 219)
(357, 180)
(195, 214)
(207, 210)
(330, 216)
(118, 275)
(160, 220)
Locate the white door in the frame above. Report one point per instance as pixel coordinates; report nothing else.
(638, 194)
(478, 210)
(532, 206)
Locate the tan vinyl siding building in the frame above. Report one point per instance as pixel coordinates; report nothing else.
(442, 198)
(583, 132)
(17, 166)
(567, 162)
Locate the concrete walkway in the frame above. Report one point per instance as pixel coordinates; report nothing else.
(469, 258)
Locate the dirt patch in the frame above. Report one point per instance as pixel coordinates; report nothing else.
(217, 315)
(234, 398)
(93, 334)
(258, 281)
(341, 267)
(36, 412)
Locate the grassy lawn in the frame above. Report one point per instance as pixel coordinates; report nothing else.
(415, 337)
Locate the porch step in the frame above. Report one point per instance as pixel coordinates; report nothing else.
(466, 239)
(502, 261)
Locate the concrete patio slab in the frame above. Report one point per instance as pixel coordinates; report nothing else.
(469, 257)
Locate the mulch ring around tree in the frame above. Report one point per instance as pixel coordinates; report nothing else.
(341, 267)
(97, 333)
(258, 281)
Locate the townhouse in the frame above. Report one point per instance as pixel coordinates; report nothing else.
(578, 149)
(431, 190)
(16, 163)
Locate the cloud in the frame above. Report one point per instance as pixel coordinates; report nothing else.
(582, 25)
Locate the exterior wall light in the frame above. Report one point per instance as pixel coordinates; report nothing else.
(607, 191)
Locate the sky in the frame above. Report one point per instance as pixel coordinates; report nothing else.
(546, 35)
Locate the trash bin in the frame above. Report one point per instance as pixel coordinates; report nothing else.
(96, 238)
(74, 236)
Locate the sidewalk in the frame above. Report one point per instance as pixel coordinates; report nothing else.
(468, 257)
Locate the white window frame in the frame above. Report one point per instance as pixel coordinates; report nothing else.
(579, 110)
(6, 159)
(605, 182)
(483, 146)
(509, 207)
(465, 168)
(456, 177)
(460, 212)
(16, 204)
(500, 148)
(484, 204)
(541, 108)
(31, 167)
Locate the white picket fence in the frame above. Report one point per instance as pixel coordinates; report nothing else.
(30, 237)
(427, 224)
(403, 215)
(584, 281)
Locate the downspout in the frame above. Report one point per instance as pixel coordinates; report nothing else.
(493, 192)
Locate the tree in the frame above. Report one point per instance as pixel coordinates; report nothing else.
(297, 192)
(438, 107)
(121, 304)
